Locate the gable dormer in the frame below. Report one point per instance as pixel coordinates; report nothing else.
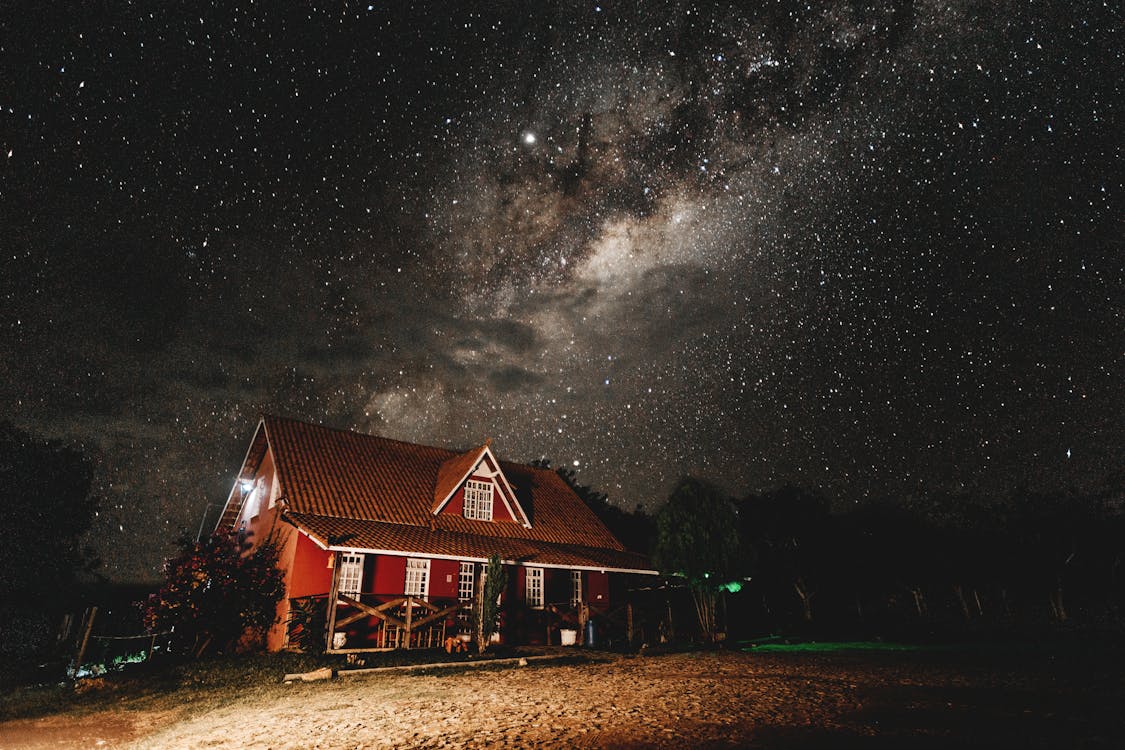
(473, 485)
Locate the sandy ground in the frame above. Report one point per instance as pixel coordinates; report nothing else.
(719, 699)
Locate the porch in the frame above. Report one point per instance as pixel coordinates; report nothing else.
(369, 622)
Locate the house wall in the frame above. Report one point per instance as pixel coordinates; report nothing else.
(443, 579)
(556, 586)
(260, 520)
(456, 504)
(309, 574)
(597, 588)
(390, 575)
(262, 523)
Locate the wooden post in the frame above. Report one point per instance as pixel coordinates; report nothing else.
(629, 622)
(85, 639)
(332, 594)
(410, 613)
(583, 618)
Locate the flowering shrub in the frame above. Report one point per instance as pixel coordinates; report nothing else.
(219, 592)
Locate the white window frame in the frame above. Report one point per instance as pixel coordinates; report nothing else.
(533, 588)
(478, 500)
(466, 582)
(351, 574)
(417, 584)
(576, 588)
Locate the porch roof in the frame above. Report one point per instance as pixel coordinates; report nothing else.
(362, 535)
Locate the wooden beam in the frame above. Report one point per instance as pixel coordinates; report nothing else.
(366, 610)
(435, 616)
(333, 593)
(85, 639)
(409, 616)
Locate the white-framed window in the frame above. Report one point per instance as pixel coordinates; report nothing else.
(478, 500)
(417, 577)
(534, 588)
(351, 573)
(575, 588)
(465, 579)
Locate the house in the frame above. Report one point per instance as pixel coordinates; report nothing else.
(401, 532)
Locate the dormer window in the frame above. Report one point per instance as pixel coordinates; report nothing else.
(478, 500)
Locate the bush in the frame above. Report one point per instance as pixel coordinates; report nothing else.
(221, 591)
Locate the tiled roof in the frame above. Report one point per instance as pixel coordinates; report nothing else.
(451, 472)
(331, 473)
(373, 535)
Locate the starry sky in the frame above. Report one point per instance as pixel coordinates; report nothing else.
(870, 249)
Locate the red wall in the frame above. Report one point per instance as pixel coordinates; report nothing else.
(456, 504)
(310, 574)
(597, 587)
(443, 579)
(517, 586)
(390, 575)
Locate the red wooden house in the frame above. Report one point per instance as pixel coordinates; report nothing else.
(400, 533)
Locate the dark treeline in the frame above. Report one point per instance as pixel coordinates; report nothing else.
(48, 506)
(927, 565)
(938, 564)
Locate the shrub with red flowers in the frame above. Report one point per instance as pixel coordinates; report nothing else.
(221, 592)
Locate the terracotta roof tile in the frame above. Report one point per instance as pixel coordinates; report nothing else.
(349, 475)
(378, 536)
(450, 474)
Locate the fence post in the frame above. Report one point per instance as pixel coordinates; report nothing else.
(85, 639)
(330, 624)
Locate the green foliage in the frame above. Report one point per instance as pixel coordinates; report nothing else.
(219, 591)
(308, 621)
(487, 606)
(697, 538)
(697, 535)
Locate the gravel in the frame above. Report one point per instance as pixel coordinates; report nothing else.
(707, 699)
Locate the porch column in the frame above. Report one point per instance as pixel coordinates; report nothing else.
(333, 592)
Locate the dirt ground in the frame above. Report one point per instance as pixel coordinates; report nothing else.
(713, 700)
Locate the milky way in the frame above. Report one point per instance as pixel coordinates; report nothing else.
(868, 249)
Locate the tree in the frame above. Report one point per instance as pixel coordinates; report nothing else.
(45, 492)
(487, 606)
(697, 538)
(221, 591)
(790, 533)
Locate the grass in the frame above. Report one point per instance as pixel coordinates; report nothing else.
(831, 646)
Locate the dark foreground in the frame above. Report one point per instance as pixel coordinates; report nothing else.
(983, 698)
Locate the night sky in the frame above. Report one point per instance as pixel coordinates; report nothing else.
(870, 249)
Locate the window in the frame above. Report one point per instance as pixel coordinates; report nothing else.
(478, 500)
(417, 577)
(351, 574)
(465, 581)
(534, 589)
(575, 588)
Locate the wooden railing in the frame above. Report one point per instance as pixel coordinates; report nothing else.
(403, 621)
